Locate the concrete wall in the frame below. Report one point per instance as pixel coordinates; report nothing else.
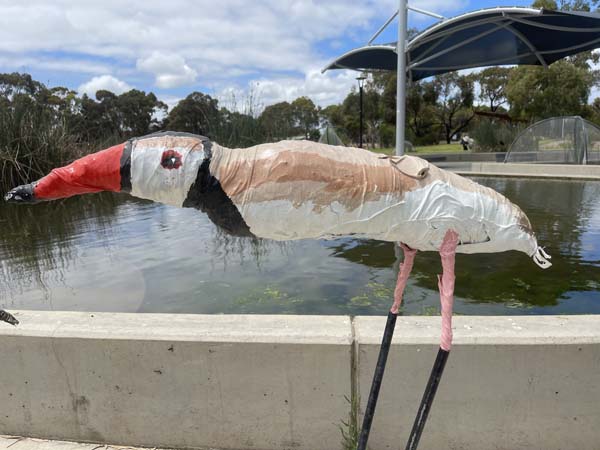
(510, 383)
(233, 382)
(440, 158)
(551, 171)
(279, 382)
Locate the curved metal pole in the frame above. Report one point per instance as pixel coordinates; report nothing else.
(401, 78)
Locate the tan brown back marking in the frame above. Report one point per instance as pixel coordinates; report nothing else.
(314, 177)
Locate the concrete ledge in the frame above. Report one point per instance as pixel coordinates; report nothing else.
(484, 330)
(552, 171)
(251, 328)
(279, 382)
(464, 156)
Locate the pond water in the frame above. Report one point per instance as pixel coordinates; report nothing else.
(111, 252)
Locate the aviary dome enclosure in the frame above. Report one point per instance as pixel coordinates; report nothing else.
(558, 140)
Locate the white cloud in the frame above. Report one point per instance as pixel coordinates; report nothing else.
(273, 34)
(199, 43)
(170, 70)
(107, 82)
(53, 64)
(441, 7)
(323, 89)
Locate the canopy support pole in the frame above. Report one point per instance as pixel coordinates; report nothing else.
(383, 27)
(401, 78)
(426, 13)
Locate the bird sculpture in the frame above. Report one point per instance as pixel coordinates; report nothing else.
(305, 190)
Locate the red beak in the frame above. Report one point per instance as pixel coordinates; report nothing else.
(97, 172)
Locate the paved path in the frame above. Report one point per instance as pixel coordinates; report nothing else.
(16, 443)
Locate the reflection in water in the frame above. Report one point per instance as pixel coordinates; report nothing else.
(111, 252)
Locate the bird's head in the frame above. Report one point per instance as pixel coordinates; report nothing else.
(159, 167)
(517, 233)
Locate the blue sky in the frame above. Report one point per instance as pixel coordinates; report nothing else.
(228, 48)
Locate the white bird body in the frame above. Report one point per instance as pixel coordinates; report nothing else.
(301, 190)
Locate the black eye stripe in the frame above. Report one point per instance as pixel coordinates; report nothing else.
(126, 167)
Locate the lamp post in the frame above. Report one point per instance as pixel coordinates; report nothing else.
(361, 82)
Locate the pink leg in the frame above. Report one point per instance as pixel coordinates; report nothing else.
(446, 286)
(403, 274)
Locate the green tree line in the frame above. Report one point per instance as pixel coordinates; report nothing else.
(42, 127)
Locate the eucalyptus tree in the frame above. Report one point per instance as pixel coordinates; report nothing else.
(454, 110)
(305, 116)
(562, 89)
(198, 113)
(492, 86)
(137, 112)
(277, 121)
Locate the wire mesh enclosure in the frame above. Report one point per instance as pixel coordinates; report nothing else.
(329, 136)
(558, 140)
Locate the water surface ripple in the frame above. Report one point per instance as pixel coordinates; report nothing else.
(110, 252)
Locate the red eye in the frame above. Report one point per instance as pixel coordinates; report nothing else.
(171, 160)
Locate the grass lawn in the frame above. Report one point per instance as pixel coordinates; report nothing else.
(440, 148)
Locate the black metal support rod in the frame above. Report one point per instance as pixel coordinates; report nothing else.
(377, 378)
(427, 400)
(8, 318)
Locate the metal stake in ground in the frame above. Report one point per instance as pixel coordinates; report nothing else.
(403, 274)
(8, 318)
(427, 401)
(377, 378)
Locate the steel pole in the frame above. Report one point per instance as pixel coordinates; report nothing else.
(360, 137)
(401, 78)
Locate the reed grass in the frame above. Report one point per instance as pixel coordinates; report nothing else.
(33, 140)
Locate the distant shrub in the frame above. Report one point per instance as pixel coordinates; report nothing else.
(430, 138)
(493, 136)
(387, 134)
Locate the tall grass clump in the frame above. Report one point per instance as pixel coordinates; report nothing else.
(492, 136)
(33, 140)
(349, 429)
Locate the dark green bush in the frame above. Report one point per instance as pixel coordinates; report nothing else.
(493, 136)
